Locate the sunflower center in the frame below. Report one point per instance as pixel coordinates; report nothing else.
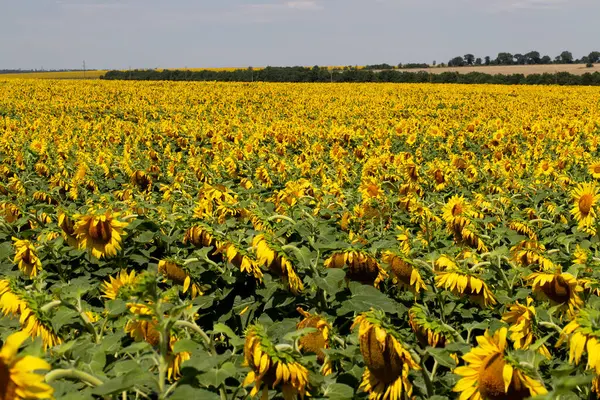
(439, 177)
(585, 203)
(402, 270)
(313, 342)
(174, 272)
(363, 270)
(457, 209)
(597, 169)
(491, 382)
(7, 386)
(558, 290)
(101, 231)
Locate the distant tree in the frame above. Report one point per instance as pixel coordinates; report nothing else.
(487, 60)
(504, 59)
(456, 62)
(434, 63)
(566, 57)
(520, 59)
(594, 57)
(557, 60)
(478, 61)
(469, 59)
(533, 57)
(546, 60)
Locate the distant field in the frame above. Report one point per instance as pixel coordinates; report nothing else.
(55, 75)
(576, 69)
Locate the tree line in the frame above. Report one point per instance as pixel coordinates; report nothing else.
(318, 74)
(531, 58)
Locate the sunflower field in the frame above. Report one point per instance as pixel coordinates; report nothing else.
(164, 240)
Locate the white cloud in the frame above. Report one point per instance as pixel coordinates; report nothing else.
(304, 5)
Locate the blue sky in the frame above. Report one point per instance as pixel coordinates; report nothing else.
(220, 33)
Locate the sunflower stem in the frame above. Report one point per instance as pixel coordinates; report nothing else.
(47, 307)
(551, 325)
(434, 369)
(72, 373)
(426, 378)
(279, 216)
(455, 333)
(198, 330)
(541, 220)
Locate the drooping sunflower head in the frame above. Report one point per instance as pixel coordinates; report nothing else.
(273, 366)
(18, 379)
(145, 325)
(462, 283)
(429, 331)
(240, 259)
(522, 320)
(491, 374)
(594, 169)
(315, 342)
(175, 272)
(175, 360)
(583, 333)
(35, 324)
(388, 361)
(558, 288)
(101, 233)
(118, 285)
(405, 274)
(11, 301)
(272, 257)
(26, 257)
(359, 266)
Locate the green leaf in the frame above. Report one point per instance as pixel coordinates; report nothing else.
(144, 237)
(442, 356)
(234, 339)
(332, 282)
(339, 391)
(216, 376)
(185, 345)
(116, 307)
(187, 392)
(114, 386)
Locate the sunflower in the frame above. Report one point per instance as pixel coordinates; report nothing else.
(10, 302)
(559, 288)
(583, 333)
(594, 169)
(113, 286)
(272, 366)
(145, 329)
(35, 325)
(67, 227)
(315, 342)
(404, 273)
(429, 331)
(462, 283)
(26, 257)
(17, 377)
(277, 262)
(585, 197)
(491, 375)
(178, 275)
(100, 233)
(530, 252)
(522, 318)
(238, 258)
(388, 361)
(359, 267)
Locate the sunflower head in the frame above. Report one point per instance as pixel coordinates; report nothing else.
(271, 256)
(583, 333)
(26, 257)
(315, 342)
(18, 379)
(429, 331)
(491, 374)
(585, 196)
(522, 320)
(101, 233)
(273, 366)
(462, 283)
(359, 267)
(559, 288)
(118, 286)
(388, 361)
(175, 272)
(404, 272)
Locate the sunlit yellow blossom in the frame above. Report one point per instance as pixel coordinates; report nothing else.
(100, 233)
(26, 257)
(112, 287)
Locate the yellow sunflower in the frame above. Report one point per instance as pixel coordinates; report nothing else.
(594, 169)
(429, 331)
(388, 362)
(585, 197)
(522, 318)
(583, 333)
(359, 266)
(26, 257)
(113, 286)
(404, 273)
(178, 275)
(100, 233)
(146, 330)
(238, 258)
(18, 379)
(491, 375)
(272, 366)
(67, 227)
(277, 262)
(10, 302)
(558, 288)
(34, 326)
(462, 283)
(315, 342)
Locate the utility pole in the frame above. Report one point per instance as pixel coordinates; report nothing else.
(83, 69)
